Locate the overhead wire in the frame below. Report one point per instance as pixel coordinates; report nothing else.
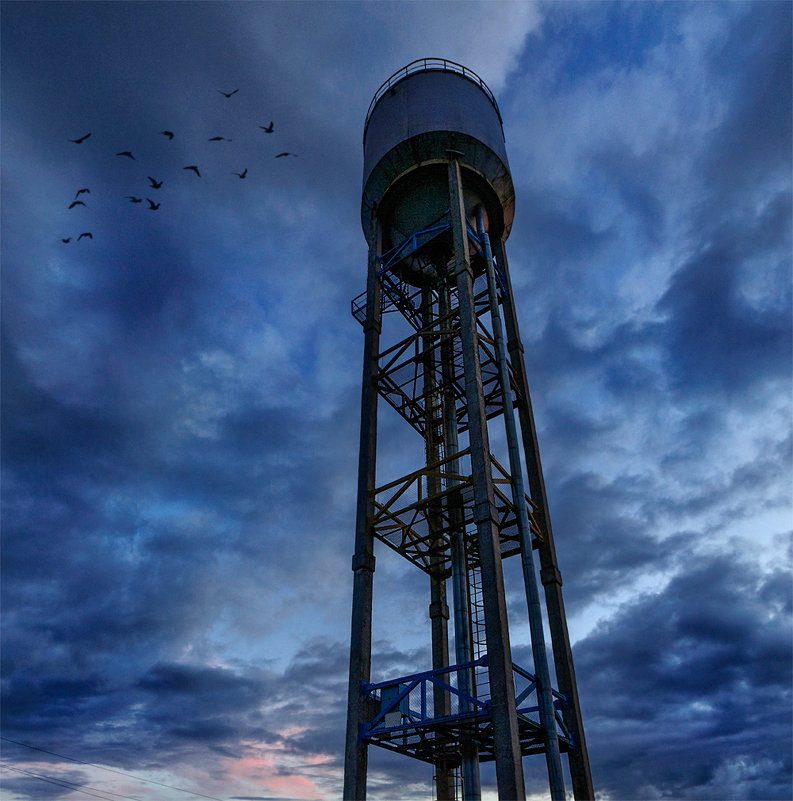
(73, 786)
(110, 770)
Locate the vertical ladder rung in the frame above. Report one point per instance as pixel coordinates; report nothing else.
(478, 635)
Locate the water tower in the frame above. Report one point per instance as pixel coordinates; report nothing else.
(442, 348)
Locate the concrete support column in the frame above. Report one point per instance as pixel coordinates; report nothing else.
(355, 755)
(549, 570)
(509, 767)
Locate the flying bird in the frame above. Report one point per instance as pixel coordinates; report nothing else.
(218, 139)
(80, 140)
(154, 184)
(76, 203)
(267, 129)
(169, 134)
(193, 168)
(152, 205)
(80, 192)
(241, 174)
(281, 155)
(126, 153)
(133, 199)
(65, 241)
(228, 94)
(87, 233)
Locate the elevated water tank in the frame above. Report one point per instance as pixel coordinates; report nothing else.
(424, 114)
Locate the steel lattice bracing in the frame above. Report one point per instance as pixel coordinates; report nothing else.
(409, 518)
(436, 209)
(419, 514)
(418, 524)
(402, 377)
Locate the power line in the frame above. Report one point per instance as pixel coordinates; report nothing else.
(73, 786)
(110, 770)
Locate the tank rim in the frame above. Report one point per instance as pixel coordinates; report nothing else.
(429, 65)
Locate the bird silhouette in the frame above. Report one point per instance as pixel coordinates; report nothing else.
(133, 199)
(87, 233)
(241, 174)
(228, 94)
(67, 240)
(218, 139)
(154, 184)
(268, 128)
(126, 153)
(80, 192)
(169, 134)
(193, 168)
(152, 205)
(281, 155)
(80, 140)
(76, 203)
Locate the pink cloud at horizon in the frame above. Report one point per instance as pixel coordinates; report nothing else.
(261, 773)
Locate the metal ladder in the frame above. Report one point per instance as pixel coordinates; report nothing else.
(478, 638)
(456, 788)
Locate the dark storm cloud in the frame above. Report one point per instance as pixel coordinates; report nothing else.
(184, 705)
(119, 560)
(703, 682)
(42, 434)
(612, 36)
(127, 582)
(602, 542)
(45, 784)
(633, 179)
(559, 233)
(49, 700)
(180, 402)
(608, 531)
(707, 672)
(717, 339)
(726, 497)
(754, 139)
(216, 707)
(313, 692)
(721, 329)
(215, 687)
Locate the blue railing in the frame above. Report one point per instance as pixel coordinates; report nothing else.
(409, 702)
(411, 243)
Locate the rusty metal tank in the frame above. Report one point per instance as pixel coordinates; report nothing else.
(425, 113)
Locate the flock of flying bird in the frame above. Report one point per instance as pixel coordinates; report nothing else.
(153, 182)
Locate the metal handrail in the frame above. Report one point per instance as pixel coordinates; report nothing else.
(469, 705)
(428, 65)
(424, 682)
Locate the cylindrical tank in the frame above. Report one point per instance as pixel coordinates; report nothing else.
(423, 114)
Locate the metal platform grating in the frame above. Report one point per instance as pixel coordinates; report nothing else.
(426, 715)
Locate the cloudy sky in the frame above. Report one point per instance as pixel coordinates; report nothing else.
(181, 391)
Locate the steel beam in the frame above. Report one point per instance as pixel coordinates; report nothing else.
(544, 690)
(363, 562)
(463, 645)
(549, 570)
(509, 767)
(439, 610)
